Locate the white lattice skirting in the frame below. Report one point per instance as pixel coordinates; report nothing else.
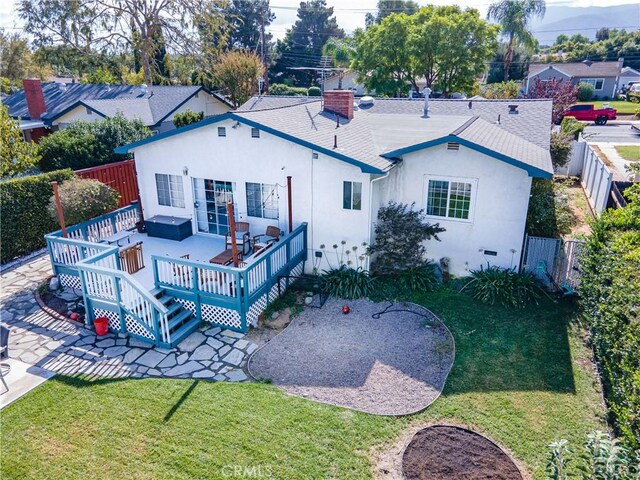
(70, 281)
(114, 318)
(257, 308)
(220, 316)
(188, 304)
(136, 328)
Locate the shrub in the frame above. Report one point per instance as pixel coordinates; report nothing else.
(87, 144)
(560, 148)
(16, 155)
(495, 285)
(637, 113)
(633, 97)
(400, 233)
(572, 127)
(549, 213)
(282, 89)
(585, 92)
(25, 219)
(403, 284)
(186, 118)
(609, 293)
(83, 199)
(347, 283)
(314, 91)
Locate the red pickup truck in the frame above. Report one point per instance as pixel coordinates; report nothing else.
(588, 113)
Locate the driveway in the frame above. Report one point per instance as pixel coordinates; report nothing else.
(395, 363)
(610, 134)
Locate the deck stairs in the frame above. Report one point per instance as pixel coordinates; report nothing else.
(181, 321)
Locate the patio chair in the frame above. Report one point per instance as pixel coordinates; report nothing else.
(272, 234)
(4, 342)
(243, 237)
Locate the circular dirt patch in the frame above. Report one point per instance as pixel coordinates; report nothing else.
(395, 363)
(445, 452)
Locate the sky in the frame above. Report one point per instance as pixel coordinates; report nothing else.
(349, 13)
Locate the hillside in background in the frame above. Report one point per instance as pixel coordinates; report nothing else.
(585, 20)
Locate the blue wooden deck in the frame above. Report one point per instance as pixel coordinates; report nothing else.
(169, 298)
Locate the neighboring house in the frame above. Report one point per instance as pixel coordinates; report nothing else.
(604, 76)
(628, 75)
(47, 107)
(469, 164)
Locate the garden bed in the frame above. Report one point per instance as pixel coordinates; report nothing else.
(444, 452)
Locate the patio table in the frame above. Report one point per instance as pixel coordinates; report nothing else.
(223, 258)
(116, 237)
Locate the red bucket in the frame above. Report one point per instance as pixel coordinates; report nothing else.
(102, 325)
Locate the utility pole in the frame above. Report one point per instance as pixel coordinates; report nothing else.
(262, 53)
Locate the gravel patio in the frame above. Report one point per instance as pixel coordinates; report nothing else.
(395, 363)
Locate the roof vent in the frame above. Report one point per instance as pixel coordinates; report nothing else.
(367, 101)
(470, 104)
(144, 89)
(587, 62)
(513, 109)
(61, 86)
(453, 146)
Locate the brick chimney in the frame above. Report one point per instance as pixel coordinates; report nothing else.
(339, 102)
(34, 97)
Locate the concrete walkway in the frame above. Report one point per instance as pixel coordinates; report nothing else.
(57, 346)
(620, 173)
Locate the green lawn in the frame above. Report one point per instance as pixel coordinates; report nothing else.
(623, 107)
(521, 377)
(629, 152)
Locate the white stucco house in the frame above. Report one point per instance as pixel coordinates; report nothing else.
(469, 164)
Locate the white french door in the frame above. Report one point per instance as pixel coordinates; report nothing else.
(211, 197)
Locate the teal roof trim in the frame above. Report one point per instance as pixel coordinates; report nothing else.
(530, 169)
(49, 121)
(232, 116)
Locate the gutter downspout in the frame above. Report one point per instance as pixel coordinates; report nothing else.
(371, 206)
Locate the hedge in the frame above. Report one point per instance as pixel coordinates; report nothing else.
(610, 295)
(25, 219)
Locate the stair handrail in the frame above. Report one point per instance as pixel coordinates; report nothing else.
(160, 311)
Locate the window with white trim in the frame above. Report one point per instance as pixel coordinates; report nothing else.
(352, 195)
(170, 190)
(262, 200)
(598, 83)
(450, 198)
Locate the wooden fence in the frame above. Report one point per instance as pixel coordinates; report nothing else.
(120, 176)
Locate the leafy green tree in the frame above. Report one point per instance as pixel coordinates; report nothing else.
(578, 38)
(518, 67)
(237, 73)
(100, 76)
(83, 199)
(447, 46)
(16, 155)
(514, 16)
(246, 18)
(87, 144)
(303, 43)
(188, 26)
(341, 51)
(186, 118)
(16, 60)
(383, 59)
(561, 39)
(387, 7)
(602, 34)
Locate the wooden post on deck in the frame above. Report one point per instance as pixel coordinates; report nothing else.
(290, 202)
(56, 196)
(232, 232)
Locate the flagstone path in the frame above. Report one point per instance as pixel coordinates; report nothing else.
(62, 347)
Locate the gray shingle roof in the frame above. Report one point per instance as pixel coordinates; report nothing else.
(579, 69)
(151, 107)
(394, 125)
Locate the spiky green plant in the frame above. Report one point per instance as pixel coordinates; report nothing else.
(347, 283)
(504, 286)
